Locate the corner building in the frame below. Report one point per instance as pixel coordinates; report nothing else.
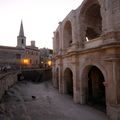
(87, 55)
(12, 56)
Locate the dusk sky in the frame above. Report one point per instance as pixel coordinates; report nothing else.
(40, 19)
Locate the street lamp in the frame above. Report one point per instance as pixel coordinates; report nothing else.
(25, 61)
(49, 62)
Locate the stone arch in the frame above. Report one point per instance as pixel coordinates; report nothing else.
(93, 86)
(91, 18)
(67, 34)
(68, 81)
(57, 43)
(87, 4)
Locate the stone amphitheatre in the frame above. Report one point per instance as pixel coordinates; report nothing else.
(87, 55)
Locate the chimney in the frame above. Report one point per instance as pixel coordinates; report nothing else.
(33, 43)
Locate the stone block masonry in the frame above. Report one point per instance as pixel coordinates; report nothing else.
(6, 81)
(86, 55)
(38, 75)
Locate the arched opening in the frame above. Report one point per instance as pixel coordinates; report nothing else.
(93, 22)
(57, 42)
(68, 78)
(67, 34)
(96, 89)
(57, 78)
(22, 41)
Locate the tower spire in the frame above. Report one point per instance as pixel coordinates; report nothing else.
(21, 33)
(21, 39)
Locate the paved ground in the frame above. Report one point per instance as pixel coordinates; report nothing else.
(29, 101)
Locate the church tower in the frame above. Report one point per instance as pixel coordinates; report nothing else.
(21, 39)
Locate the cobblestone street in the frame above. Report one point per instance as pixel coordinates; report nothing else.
(30, 101)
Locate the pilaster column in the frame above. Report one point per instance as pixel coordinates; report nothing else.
(113, 88)
(61, 83)
(76, 81)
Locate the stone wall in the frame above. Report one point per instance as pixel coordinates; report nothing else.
(37, 75)
(6, 81)
(88, 39)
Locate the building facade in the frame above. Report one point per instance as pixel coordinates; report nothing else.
(86, 48)
(45, 57)
(12, 57)
(31, 53)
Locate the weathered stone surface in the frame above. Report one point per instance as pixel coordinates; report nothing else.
(6, 81)
(87, 40)
(48, 105)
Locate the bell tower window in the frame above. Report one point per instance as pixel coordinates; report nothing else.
(22, 41)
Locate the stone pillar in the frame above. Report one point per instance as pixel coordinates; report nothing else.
(115, 13)
(110, 11)
(113, 95)
(107, 18)
(60, 36)
(53, 74)
(83, 89)
(76, 85)
(81, 31)
(61, 78)
(63, 83)
(75, 42)
(54, 43)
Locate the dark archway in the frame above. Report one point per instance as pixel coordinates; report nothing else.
(67, 34)
(68, 78)
(96, 89)
(93, 21)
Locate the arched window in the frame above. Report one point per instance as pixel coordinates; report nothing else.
(90, 20)
(93, 22)
(22, 41)
(67, 35)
